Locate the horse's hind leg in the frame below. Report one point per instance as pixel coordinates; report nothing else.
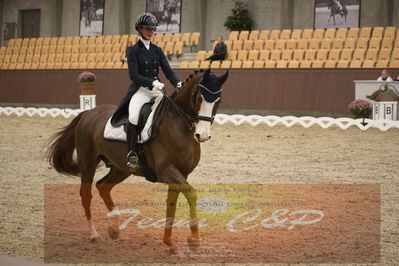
(87, 165)
(104, 187)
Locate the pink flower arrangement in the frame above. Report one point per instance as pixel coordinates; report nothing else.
(360, 107)
(86, 76)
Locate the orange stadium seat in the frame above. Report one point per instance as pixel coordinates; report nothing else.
(341, 33)
(285, 34)
(185, 38)
(282, 64)
(365, 33)
(293, 64)
(194, 64)
(232, 55)
(176, 37)
(346, 54)
(248, 44)
(236, 64)
(330, 33)
(356, 64)
(274, 35)
(322, 55)
(384, 54)
(318, 34)
(382, 63)
(305, 64)
(353, 33)
(318, 63)
(298, 55)
(359, 54)
(350, 44)
(270, 64)
(286, 55)
(338, 44)
(394, 64)
(195, 37)
(184, 64)
(225, 64)
(264, 35)
(330, 64)
(269, 44)
(253, 55)
(201, 55)
(233, 35)
(243, 35)
(296, 34)
(326, 44)
(264, 55)
(259, 44)
(247, 64)
(302, 44)
(167, 37)
(259, 64)
(237, 44)
(291, 44)
(310, 55)
(242, 55)
(390, 33)
(280, 44)
(387, 43)
(374, 43)
(343, 64)
(378, 33)
(215, 64)
(334, 55)
(254, 35)
(371, 54)
(314, 44)
(307, 34)
(369, 64)
(275, 55)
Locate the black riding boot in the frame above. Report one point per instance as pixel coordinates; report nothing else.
(131, 137)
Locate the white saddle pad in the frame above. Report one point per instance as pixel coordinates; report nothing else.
(118, 133)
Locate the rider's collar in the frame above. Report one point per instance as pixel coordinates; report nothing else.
(145, 42)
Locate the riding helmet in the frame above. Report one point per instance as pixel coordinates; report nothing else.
(147, 20)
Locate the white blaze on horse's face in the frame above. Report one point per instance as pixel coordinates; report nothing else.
(203, 128)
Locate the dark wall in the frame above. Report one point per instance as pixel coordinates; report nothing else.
(308, 90)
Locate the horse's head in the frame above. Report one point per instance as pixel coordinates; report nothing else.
(206, 97)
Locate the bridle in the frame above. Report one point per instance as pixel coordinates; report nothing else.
(190, 120)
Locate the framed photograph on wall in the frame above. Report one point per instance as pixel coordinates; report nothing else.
(337, 13)
(168, 13)
(91, 17)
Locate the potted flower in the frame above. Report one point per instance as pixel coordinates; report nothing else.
(86, 81)
(360, 108)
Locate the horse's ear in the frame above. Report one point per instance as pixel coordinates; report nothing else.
(223, 78)
(207, 73)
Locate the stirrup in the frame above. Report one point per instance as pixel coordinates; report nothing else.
(132, 161)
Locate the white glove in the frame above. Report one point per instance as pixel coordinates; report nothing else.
(158, 85)
(179, 85)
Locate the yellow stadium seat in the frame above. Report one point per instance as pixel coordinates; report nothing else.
(9, 50)
(108, 48)
(343, 64)
(247, 64)
(275, 55)
(52, 50)
(269, 44)
(390, 33)
(167, 37)
(356, 64)
(259, 64)
(293, 64)
(341, 33)
(368, 64)
(215, 64)
(310, 55)
(374, 43)
(232, 55)
(107, 39)
(314, 44)
(280, 44)
(195, 36)
(362, 44)
(254, 35)
(264, 35)
(394, 64)
(176, 37)
(353, 33)
(183, 64)
(99, 48)
(243, 35)
(359, 54)
(318, 34)
(82, 49)
(91, 48)
(116, 39)
(23, 51)
(365, 33)
(53, 41)
(287, 55)
(264, 55)
(91, 57)
(346, 54)
(60, 50)
(237, 44)
(396, 44)
(66, 58)
(322, 54)
(68, 41)
(205, 64)
(158, 38)
(299, 55)
(306, 64)
(194, 64)
(326, 44)
(302, 44)
(291, 44)
(75, 50)
(285, 34)
(330, 33)
(225, 64)
(330, 64)
(168, 49)
(248, 44)
(178, 48)
(11, 43)
(228, 44)
(201, 55)
(371, 55)
(378, 33)
(270, 64)
(307, 34)
(274, 35)
(109, 65)
(253, 55)
(46, 42)
(3, 51)
(384, 54)
(382, 63)
(387, 43)
(233, 35)
(61, 41)
(15, 50)
(185, 38)
(75, 40)
(242, 55)
(395, 54)
(350, 44)
(118, 65)
(25, 42)
(334, 55)
(338, 44)
(38, 50)
(236, 64)
(259, 44)
(130, 38)
(68, 49)
(282, 64)
(296, 34)
(318, 63)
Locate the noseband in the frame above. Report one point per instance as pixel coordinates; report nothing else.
(191, 119)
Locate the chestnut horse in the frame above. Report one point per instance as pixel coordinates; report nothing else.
(172, 155)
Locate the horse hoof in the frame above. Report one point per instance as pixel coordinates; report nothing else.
(95, 239)
(113, 233)
(193, 242)
(173, 251)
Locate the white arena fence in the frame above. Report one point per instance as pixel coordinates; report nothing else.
(253, 120)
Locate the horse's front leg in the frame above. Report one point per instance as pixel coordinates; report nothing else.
(191, 196)
(171, 201)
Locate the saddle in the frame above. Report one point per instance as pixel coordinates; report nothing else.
(115, 130)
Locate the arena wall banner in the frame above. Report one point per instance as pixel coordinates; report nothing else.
(168, 13)
(91, 17)
(239, 223)
(337, 13)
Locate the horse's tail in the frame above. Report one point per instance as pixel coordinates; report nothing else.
(60, 152)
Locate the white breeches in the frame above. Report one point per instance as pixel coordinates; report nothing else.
(142, 96)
